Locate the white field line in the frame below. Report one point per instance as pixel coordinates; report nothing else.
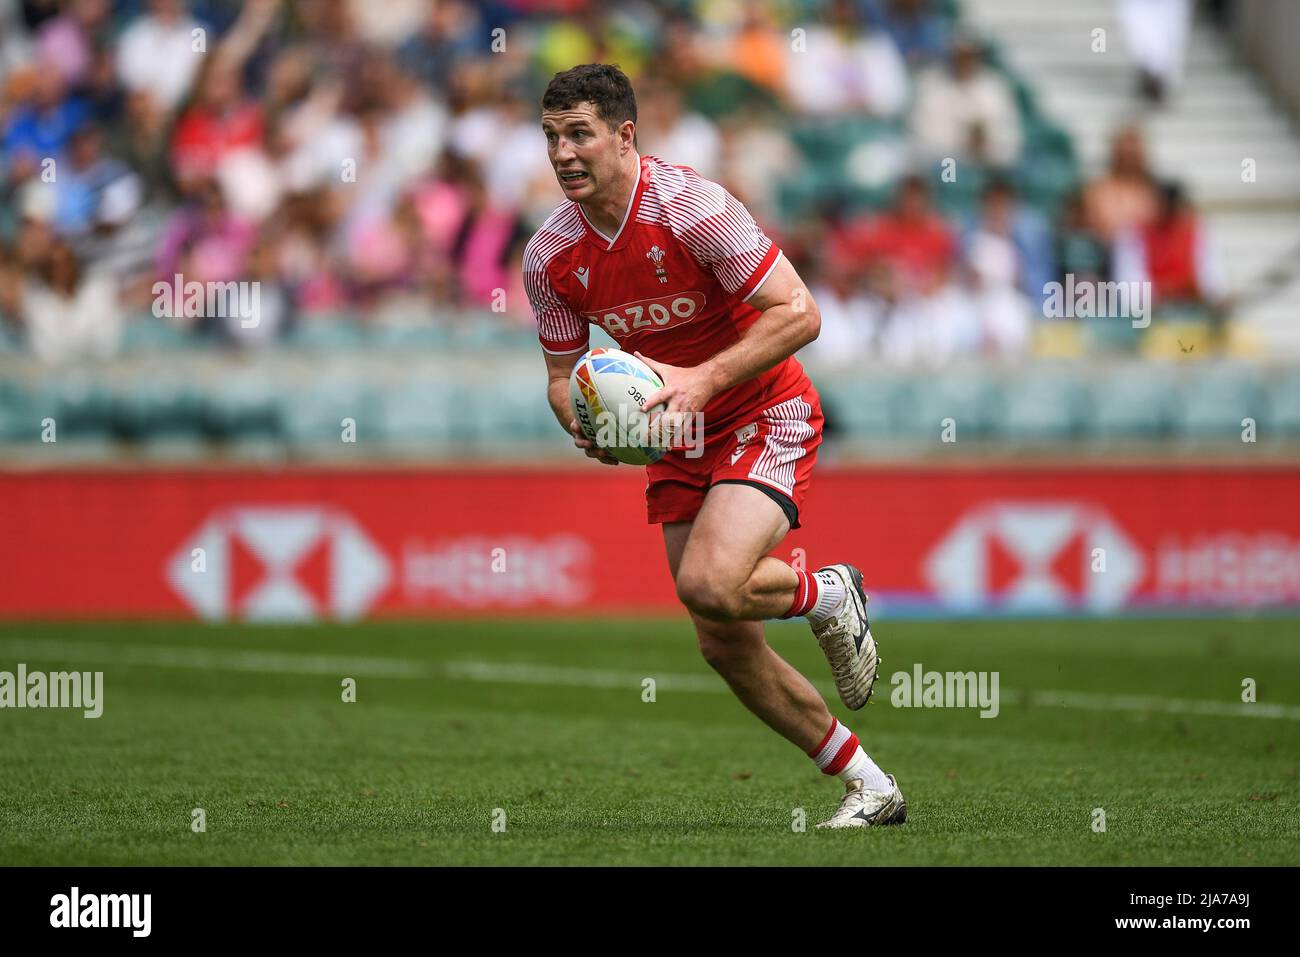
(505, 672)
(529, 674)
(1135, 702)
(174, 656)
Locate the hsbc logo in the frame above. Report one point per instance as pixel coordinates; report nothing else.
(279, 563)
(1034, 556)
(513, 571)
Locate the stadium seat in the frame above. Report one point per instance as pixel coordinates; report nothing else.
(20, 421)
(1135, 402)
(1058, 339)
(1046, 403)
(11, 342)
(1044, 180)
(831, 140)
(1113, 335)
(1215, 398)
(326, 335)
(967, 395)
(157, 406)
(82, 406)
(724, 93)
(959, 198)
(486, 330)
(1043, 138)
(518, 412)
(851, 164)
(403, 338)
(867, 404)
(1179, 331)
(1285, 396)
(149, 334)
(314, 415)
(419, 413)
(1243, 341)
(243, 407)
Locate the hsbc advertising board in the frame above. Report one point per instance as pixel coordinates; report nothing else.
(313, 544)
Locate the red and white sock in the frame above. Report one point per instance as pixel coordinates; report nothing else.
(819, 595)
(840, 754)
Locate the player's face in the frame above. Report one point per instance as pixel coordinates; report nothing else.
(584, 151)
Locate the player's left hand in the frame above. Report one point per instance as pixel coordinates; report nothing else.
(686, 390)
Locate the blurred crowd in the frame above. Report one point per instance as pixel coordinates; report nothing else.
(381, 162)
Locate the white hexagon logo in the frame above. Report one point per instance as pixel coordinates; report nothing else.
(279, 563)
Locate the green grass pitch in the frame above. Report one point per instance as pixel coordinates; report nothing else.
(545, 721)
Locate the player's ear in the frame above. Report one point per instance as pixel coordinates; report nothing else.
(627, 135)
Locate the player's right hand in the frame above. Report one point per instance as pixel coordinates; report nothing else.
(589, 447)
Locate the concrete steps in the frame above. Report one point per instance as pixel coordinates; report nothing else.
(1219, 116)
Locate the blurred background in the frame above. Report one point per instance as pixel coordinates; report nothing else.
(930, 166)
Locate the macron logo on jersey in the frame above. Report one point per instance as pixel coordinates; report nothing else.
(583, 273)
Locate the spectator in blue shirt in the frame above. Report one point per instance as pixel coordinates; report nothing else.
(41, 128)
(1001, 212)
(916, 28)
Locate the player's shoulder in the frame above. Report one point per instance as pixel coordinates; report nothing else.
(678, 196)
(560, 232)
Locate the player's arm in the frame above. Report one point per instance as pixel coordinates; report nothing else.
(564, 337)
(789, 320)
(558, 370)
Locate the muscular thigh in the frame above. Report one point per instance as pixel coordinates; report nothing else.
(676, 535)
(735, 528)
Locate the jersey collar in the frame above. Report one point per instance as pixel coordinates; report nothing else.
(619, 239)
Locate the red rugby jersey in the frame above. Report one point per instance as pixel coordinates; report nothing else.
(671, 284)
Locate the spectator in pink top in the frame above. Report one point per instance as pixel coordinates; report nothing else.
(66, 42)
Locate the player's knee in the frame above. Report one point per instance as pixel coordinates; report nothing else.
(708, 597)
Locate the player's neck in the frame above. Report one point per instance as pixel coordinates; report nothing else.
(607, 213)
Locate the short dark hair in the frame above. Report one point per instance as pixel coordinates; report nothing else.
(603, 85)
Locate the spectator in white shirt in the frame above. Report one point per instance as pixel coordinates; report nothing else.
(156, 53)
(673, 131)
(966, 112)
(70, 313)
(851, 317)
(1156, 34)
(844, 66)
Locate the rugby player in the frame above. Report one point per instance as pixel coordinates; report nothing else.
(675, 269)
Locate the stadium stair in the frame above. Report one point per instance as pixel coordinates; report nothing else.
(1219, 116)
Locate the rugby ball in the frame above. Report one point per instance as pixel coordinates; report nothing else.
(607, 389)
